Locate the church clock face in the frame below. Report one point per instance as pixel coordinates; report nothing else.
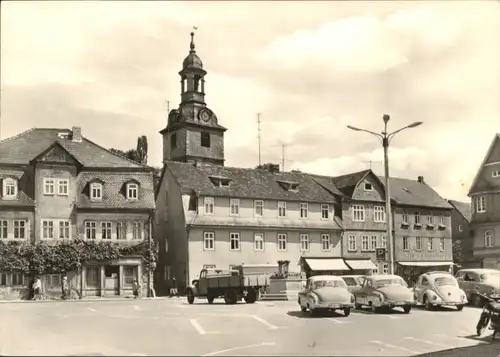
(204, 114)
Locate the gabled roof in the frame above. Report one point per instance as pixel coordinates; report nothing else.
(113, 190)
(24, 147)
(463, 208)
(327, 183)
(496, 141)
(413, 193)
(347, 183)
(251, 183)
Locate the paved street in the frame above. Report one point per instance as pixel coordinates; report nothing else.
(171, 327)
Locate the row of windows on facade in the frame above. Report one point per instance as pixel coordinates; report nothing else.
(61, 229)
(418, 244)
(358, 211)
(60, 187)
(259, 242)
(417, 219)
(234, 208)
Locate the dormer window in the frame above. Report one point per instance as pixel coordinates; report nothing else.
(289, 186)
(9, 188)
(96, 191)
(220, 181)
(368, 186)
(132, 191)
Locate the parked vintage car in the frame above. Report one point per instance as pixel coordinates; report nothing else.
(354, 282)
(484, 281)
(439, 288)
(384, 292)
(325, 293)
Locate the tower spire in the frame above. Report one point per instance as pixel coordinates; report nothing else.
(191, 45)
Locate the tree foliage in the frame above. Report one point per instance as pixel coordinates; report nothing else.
(269, 167)
(142, 149)
(139, 154)
(458, 257)
(45, 258)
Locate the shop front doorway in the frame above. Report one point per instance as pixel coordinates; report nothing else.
(111, 280)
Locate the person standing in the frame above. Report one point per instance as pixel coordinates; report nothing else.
(65, 288)
(37, 289)
(136, 287)
(173, 288)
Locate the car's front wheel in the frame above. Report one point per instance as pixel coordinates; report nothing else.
(460, 307)
(407, 309)
(427, 303)
(347, 311)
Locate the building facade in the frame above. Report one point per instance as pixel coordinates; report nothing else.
(364, 219)
(212, 216)
(422, 228)
(219, 217)
(461, 235)
(485, 195)
(58, 186)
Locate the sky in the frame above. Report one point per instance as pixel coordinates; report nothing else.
(310, 68)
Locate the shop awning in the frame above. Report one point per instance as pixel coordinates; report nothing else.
(425, 264)
(326, 264)
(363, 264)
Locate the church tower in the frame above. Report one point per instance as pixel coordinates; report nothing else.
(193, 133)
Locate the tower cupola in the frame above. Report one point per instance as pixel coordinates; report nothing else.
(192, 77)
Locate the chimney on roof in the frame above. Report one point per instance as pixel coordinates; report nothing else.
(421, 179)
(77, 134)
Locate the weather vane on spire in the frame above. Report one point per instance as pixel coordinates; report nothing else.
(192, 38)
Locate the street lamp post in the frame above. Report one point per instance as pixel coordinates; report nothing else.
(385, 138)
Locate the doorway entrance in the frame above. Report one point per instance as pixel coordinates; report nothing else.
(111, 280)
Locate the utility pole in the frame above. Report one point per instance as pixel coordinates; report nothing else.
(283, 146)
(258, 135)
(385, 138)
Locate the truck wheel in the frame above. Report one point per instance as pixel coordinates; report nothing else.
(210, 299)
(230, 297)
(251, 297)
(190, 297)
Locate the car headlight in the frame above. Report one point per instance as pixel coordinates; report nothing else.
(434, 297)
(352, 298)
(462, 297)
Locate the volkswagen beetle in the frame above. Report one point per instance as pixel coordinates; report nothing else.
(439, 289)
(384, 292)
(325, 293)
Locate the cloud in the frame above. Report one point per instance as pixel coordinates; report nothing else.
(110, 67)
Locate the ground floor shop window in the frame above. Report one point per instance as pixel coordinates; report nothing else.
(92, 278)
(12, 279)
(3, 279)
(53, 281)
(129, 274)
